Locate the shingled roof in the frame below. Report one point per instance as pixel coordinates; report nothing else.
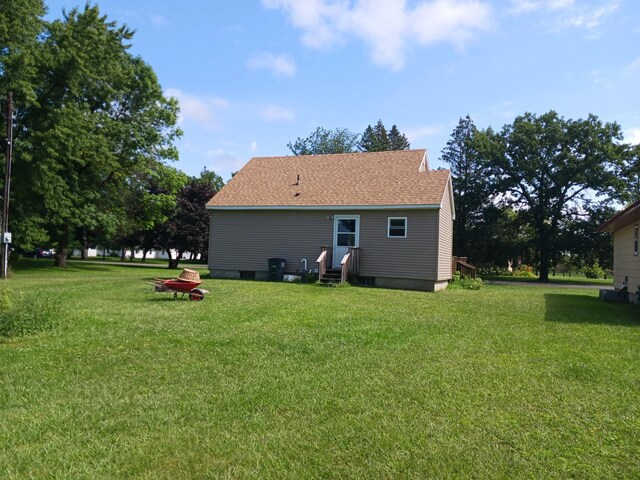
(385, 179)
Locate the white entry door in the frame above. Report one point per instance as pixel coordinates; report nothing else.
(346, 233)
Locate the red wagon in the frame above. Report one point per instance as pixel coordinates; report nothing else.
(186, 283)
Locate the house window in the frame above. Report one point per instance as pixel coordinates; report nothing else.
(635, 240)
(397, 227)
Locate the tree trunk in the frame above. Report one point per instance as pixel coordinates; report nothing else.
(123, 254)
(178, 258)
(63, 247)
(544, 262)
(172, 263)
(83, 253)
(133, 254)
(61, 257)
(144, 254)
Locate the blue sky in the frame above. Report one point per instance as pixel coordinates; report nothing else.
(253, 75)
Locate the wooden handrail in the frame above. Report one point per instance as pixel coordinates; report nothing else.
(322, 260)
(354, 262)
(345, 267)
(460, 264)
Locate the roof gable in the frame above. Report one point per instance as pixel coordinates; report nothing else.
(623, 218)
(384, 179)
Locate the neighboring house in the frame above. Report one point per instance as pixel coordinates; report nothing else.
(104, 252)
(391, 213)
(626, 262)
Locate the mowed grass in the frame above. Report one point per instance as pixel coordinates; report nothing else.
(265, 380)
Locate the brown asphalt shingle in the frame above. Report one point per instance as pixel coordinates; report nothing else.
(367, 179)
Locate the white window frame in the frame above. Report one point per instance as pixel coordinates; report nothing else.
(635, 240)
(346, 217)
(406, 227)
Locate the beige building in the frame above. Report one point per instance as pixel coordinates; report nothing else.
(626, 262)
(383, 218)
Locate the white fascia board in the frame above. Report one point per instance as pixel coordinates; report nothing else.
(429, 206)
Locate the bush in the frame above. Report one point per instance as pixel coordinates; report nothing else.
(468, 283)
(26, 314)
(593, 271)
(525, 271)
(309, 277)
(493, 271)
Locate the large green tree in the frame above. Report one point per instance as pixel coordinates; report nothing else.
(377, 139)
(188, 228)
(398, 140)
(552, 168)
(323, 141)
(99, 119)
(471, 192)
(148, 202)
(21, 24)
(628, 188)
(581, 241)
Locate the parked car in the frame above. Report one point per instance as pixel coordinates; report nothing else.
(40, 253)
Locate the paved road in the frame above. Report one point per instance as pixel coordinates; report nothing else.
(554, 285)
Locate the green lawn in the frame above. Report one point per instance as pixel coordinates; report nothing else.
(137, 261)
(265, 380)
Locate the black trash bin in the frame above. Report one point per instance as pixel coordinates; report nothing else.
(276, 269)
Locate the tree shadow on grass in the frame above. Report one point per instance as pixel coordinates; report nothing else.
(574, 308)
(47, 265)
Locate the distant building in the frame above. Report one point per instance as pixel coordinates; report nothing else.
(626, 262)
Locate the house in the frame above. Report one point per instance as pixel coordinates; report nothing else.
(626, 263)
(380, 218)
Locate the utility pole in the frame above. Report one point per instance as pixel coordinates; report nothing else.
(5, 239)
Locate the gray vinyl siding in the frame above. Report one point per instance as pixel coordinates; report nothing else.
(625, 263)
(411, 257)
(245, 239)
(445, 238)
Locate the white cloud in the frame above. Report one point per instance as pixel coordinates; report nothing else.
(590, 17)
(632, 136)
(388, 27)
(504, 109)
(197, 109)
(280, 65)
(159, 20)
(253, 147)
(600, 77)
(223, 162)
(567, 13)
(414, 134)
(275, 113)
(525, 6)
(634, 66)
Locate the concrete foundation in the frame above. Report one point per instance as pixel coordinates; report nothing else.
(380, 282)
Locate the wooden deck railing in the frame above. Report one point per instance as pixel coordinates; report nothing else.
(459, 264)
(349, 265)
(345, 267)
(322, 260)
(354, 261)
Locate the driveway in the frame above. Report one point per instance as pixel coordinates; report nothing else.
(549, 284)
